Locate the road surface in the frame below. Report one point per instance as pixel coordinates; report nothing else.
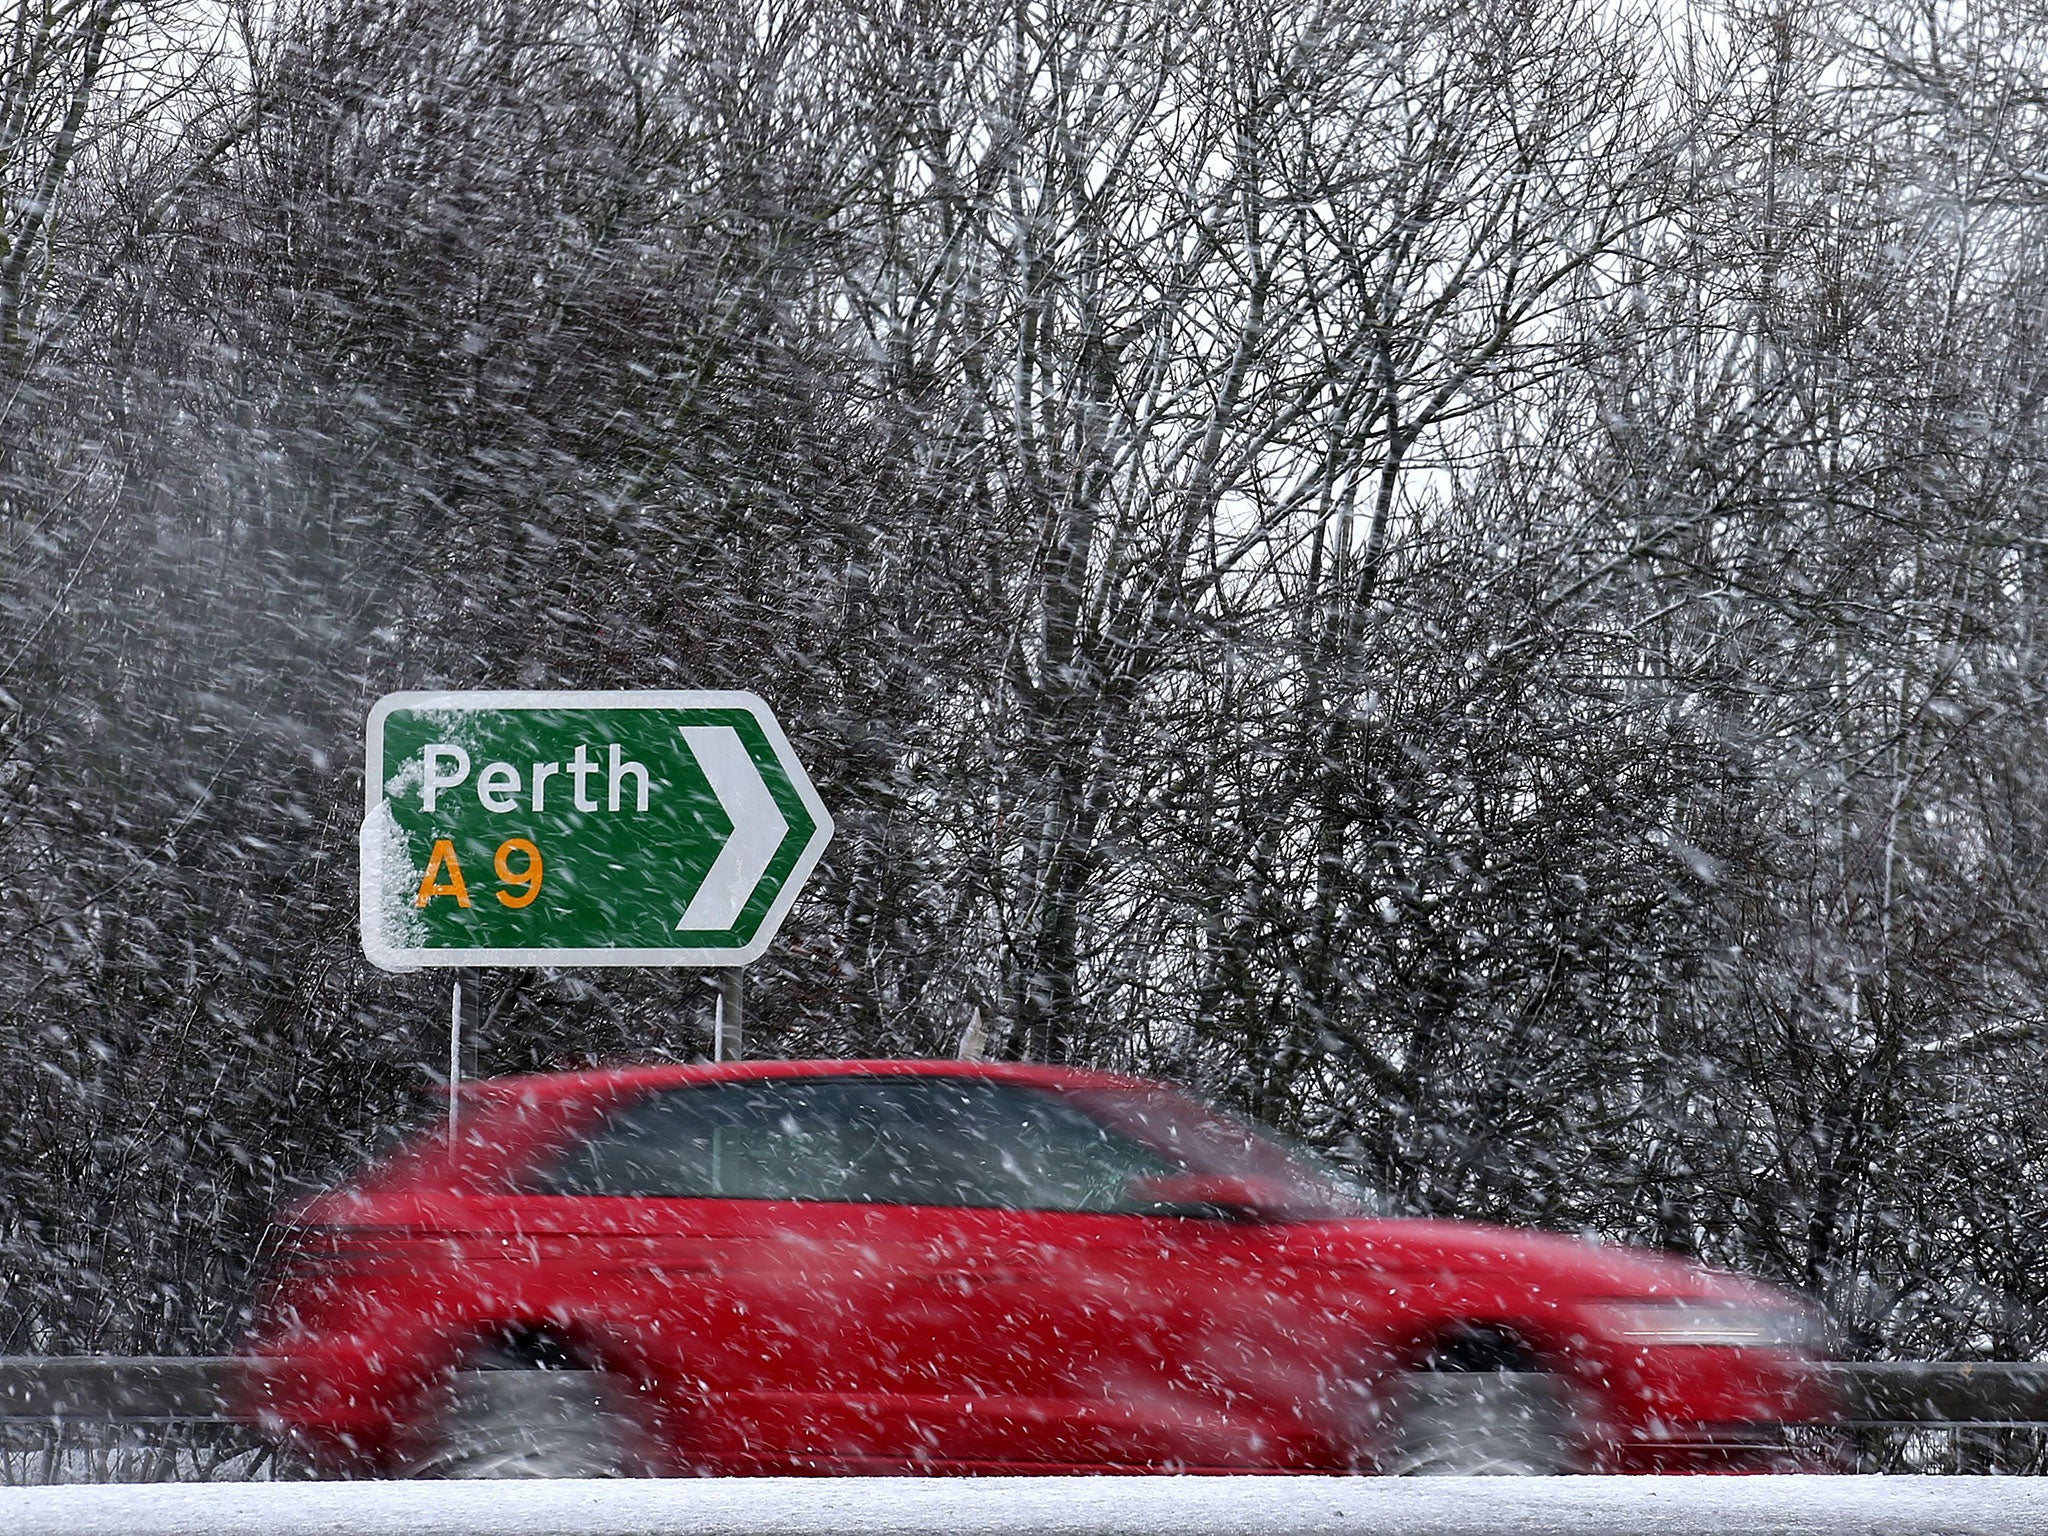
(1137, 1506)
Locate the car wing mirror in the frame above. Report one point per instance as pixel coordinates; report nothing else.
(1231, 1197)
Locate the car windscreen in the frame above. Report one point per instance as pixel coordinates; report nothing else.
(876, 1140)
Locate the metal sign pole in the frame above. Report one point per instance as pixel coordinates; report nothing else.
(732, 1009)
(729, 1015)
(454, 1055)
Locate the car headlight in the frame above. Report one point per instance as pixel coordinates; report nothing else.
(1713, 1324)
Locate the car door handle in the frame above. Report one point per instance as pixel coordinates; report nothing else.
(989, 1275)
(609, 1251)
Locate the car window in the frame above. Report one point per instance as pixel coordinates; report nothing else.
(1201, 1138)
(877, 1140)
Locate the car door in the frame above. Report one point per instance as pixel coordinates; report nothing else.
(730, 1238)
(1085, 1325)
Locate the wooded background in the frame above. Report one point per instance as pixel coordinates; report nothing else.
(1466, 575)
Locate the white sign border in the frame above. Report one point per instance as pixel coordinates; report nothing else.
(370, 888)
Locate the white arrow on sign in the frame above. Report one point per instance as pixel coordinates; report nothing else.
(758, 827)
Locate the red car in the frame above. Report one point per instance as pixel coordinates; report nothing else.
(933, 1266)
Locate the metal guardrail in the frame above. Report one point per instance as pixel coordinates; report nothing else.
(173, 1389)
(106, 1388)
(1951, 1392)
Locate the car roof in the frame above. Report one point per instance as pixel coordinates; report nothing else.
(610, 1080)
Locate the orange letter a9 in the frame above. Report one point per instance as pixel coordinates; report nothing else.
(448, 884)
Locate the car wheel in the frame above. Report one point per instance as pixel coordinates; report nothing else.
(507, 1419)
(1480, 1405)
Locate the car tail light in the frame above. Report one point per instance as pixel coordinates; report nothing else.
(328, 1252)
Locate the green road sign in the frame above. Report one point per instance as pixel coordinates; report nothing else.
(581, 829)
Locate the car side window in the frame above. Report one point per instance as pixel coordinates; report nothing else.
(875, 1140)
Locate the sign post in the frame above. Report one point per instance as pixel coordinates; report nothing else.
(455, 1039)
(574, 828)
(729, 1028)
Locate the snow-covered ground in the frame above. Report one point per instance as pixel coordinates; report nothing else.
(1236, 1506)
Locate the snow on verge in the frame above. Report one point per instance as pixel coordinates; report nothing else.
(1052, 1506)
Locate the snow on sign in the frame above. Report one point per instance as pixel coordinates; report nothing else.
(581, 829)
